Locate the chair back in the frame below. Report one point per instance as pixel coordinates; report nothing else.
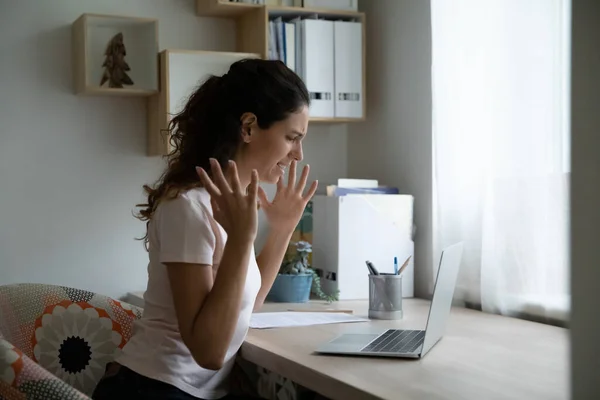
(71, 333)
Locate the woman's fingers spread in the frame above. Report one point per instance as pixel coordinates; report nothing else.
(207, 182)
(218, 176)
(216, 210)
(214, 204)
(234, 178)
(229, 175)
(253, 187)
(262, 197)
(303, 178)
(292, 175)
(311, 191)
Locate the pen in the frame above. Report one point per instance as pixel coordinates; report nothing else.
(403, 265)
(371, 272)
(396, 265)
(372, 268)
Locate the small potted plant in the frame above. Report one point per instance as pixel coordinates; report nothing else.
(296, 279)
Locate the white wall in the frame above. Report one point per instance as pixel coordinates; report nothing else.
(71, 168)
(585, 200)
(394, 145)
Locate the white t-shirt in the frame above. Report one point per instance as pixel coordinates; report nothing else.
(183, 230)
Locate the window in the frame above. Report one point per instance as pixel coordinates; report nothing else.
(500, 71)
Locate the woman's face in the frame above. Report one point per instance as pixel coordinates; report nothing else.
(271, 151)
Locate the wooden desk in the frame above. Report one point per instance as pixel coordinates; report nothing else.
(481, 357)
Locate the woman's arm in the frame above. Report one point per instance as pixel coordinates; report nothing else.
(269, 261)
(207, 310)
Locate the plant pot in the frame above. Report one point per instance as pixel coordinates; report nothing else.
(291, 288)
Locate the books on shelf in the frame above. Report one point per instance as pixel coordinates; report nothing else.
(359, 186)
(327, 54)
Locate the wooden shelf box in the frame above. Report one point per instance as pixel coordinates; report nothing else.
(91, 34)
(252, 22)
(181, 72)
(224, 8)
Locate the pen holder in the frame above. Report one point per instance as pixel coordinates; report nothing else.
(385, 296)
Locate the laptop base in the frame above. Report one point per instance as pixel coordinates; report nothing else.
(398, 343)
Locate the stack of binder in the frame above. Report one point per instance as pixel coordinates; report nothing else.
(327, 55)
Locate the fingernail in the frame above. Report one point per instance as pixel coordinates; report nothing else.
(212, 160)
(230, 162)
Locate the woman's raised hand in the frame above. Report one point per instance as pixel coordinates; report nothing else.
(233, 207)
(284, 212)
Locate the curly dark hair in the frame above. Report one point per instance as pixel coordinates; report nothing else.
(209, 126)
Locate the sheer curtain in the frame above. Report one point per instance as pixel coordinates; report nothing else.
(500, 71)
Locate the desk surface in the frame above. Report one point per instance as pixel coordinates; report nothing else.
(481, 356)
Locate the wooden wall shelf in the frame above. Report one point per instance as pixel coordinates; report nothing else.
(228, 9)
(225, 9)
(305, 11)
(90, 36)
(166, 78)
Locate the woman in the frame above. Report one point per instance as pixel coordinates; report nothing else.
(204, 279)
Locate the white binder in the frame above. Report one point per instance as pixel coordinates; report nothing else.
(348, 69)
(348, 230)
(298, 47)
(318, 65)
(290, 45)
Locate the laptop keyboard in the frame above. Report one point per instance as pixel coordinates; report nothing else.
(396, 341)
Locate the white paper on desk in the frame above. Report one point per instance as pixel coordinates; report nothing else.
(286, 319)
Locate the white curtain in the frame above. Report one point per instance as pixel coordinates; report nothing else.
(500, 71)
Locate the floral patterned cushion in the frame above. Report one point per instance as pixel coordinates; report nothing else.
(22, 378)
(56, 334)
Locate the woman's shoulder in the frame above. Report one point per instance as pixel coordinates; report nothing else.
(191, 202)
(197, 195)
(183, 229)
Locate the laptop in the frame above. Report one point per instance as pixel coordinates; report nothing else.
(405, 343)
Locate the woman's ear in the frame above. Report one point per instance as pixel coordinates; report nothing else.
(248, 121)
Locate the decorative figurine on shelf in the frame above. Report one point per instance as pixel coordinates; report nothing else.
(115, 65)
